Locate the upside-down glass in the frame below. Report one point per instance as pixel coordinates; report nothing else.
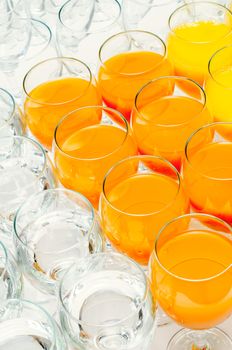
(165, 115)
(28, 326)
(24, 169)
(12, 121)
(129, 60)
(84, 25)
(106, 304)
(140, 194)
(191, 274)
(54, 88)
(151, 15)
(10, 276)
(52, 229)
(87, 143)
(197, 30)
(207, 170)
(218, 85)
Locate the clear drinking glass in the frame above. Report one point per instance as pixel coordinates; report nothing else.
(87, 143)
(10, 276)
(167, 110)
(150, 15)
(140, 194)
(84, 25)
(191, 277)
(52, 229)
(54, 88)
(106, 304)
(12, 121)
(24, 169)
(28, 326)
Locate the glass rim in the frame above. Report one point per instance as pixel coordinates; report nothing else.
(141, 157)
(43, 193)
(103, 108)
(48, 29)
(211, 125)
(109, 254)
(127, 32)
(190, 215)
(199, 3)
(36, 307)
(89, 32)
(6, 257)
(13, 107)
(211, 62)
(171, 77)
(58, 58)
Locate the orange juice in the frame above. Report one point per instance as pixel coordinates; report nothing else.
(134, 210)
(190, 279)
(85, 155)
(121, 77)
(163, 126)
(191, 45)
(52, 100)
(208, 179)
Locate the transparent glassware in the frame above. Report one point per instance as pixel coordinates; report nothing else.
(12, 121)
(24, 169)
(190, 271)
(207, 170)
(87, 142)
(10, 276)
(150, 15)
(29, 326)
(106, 303)
(53, 88)
(166, 112)
(84, 25)
(52, 230)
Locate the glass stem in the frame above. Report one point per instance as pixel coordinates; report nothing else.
(200, 342)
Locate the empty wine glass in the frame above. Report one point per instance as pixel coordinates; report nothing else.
(84, 25)
(52, 229)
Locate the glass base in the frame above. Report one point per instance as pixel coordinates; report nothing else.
(214, 339)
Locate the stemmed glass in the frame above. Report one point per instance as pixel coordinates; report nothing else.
(84, 25)
(190, 272)
(106, 303)
(52, 229)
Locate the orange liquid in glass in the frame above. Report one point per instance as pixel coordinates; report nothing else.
(51, 101)
(123, 75)
(163, 126)
(140, 206)
(89, 154)
(194, 255)
(208, 180)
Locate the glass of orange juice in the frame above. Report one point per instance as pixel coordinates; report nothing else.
(140, 194)
(197, 30)
(218, 85)
(87, 143)
(165, 115)
(129, 60)
(53, 88)
(207, 170)
(191, 277)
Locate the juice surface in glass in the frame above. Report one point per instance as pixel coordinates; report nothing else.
(191, 45)
(190, 278)
(136, 209)
(208, 179)
(163, 126)
(121, 77)
(50, 101)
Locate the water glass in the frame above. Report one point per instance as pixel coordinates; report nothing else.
(106, 304)
(29, 326)
(10, 276)
(52, 229)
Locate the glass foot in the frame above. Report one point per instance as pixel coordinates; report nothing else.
(212, 339)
